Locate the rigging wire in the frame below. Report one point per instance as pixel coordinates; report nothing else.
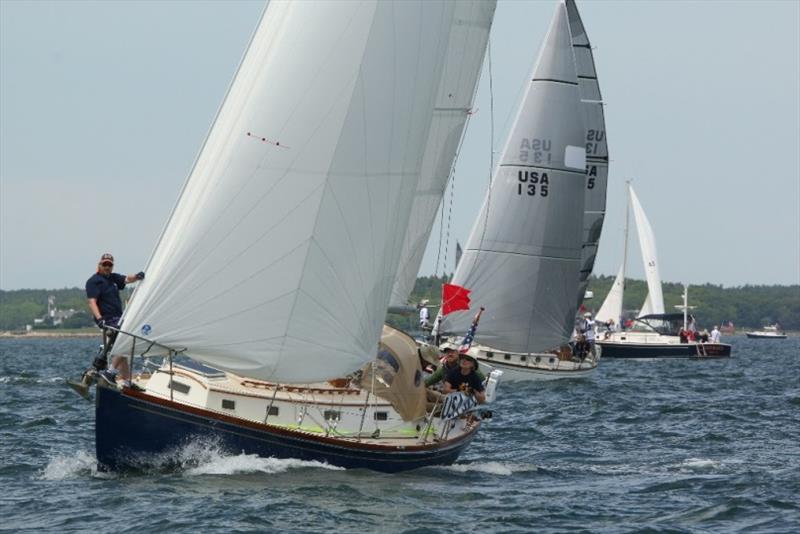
(491, 151)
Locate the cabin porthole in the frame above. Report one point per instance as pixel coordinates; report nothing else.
(538, 359)
(490, 355)
(552, 360)
(228, 404)
(507, 356)
(381, 416)
(273, 410)
(332, 415)
(523, 358)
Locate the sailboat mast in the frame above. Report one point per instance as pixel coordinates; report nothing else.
(685, 306)
(625, 241)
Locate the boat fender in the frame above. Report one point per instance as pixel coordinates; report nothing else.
(491, 385)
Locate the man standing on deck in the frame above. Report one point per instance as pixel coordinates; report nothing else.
(588, 330)
(715, 334)
(102, 292)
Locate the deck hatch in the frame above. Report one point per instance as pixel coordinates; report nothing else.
(180, 387)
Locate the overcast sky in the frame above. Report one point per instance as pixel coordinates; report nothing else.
(104, 105)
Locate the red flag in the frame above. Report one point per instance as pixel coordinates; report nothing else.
(454, 298)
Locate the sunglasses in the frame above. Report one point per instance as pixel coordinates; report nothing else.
(106, 264)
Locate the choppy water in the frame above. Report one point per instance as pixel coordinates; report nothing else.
(652, 446)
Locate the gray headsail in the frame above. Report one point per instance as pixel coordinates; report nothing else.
(522, 259)
(596, 147)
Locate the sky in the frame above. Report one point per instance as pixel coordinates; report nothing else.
(104, 106)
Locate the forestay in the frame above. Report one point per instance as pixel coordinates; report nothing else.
(596, 147)
(465, 53)
(522, 259)
(279, 257)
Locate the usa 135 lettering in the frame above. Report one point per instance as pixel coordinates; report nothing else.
(532, 183)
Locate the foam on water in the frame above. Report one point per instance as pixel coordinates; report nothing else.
(491, 468)
(700, 464)
(77, 465)
(251, 463)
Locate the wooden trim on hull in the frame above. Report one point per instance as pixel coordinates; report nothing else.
(133, 427)
(665, 350)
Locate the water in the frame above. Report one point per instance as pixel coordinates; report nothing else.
(652, 446)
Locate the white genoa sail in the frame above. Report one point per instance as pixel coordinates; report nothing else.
(522, 259)
(454, 100)
(596, 146)
(612, 305)
(654, 303)
(279, 257)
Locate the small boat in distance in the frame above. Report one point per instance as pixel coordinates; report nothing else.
(661, 335)
(655, 333)
(767, 332)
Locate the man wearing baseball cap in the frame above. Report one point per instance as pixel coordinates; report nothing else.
(102, 291)
(465, 379)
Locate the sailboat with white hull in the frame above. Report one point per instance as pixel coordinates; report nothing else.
(266, 293)
(654, 334)
(523, 259)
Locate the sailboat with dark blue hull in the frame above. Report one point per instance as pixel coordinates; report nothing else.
(266, 293)
(135, 429)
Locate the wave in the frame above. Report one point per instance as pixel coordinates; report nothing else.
(491, 468)
(221, 464)
(700, 464)
(78, 465)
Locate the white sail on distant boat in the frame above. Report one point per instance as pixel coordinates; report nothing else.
(278, 260)
(523, 259)
(654, 302)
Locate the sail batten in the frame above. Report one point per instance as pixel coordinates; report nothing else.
(279, 258)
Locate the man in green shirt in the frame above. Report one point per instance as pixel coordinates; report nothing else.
(451, 359)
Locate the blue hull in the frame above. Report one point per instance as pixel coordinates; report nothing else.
(135, 430)
(664, 350)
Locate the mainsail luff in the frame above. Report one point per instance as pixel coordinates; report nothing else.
(279, 258)
(457, 89)
(596, 146)
(522, 259)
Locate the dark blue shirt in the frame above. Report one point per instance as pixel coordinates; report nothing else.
(106, 290)
(467, 384)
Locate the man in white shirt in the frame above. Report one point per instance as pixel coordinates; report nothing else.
(715, 334)
(424, 316)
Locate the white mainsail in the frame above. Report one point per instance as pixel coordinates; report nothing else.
(279, 257)
(596, 147)
(454, 100)
(612, 305)
(654, 303)
(522, 259)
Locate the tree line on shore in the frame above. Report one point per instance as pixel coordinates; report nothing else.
(747, 307)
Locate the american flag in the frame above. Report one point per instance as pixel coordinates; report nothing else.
(467, 342)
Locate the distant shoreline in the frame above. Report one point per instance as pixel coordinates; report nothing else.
(48, 334)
